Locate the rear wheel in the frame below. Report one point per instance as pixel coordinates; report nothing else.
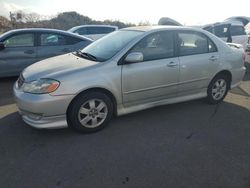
(90, 112)
(217, 89)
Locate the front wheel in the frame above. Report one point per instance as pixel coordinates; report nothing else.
(217, 89)
(90, 112)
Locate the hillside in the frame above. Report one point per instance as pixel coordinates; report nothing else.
(63, 21)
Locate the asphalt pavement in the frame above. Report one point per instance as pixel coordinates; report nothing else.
(187, 145)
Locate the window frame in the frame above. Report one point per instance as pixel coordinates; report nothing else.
(21, 33)
(122, 60)
(197, 33)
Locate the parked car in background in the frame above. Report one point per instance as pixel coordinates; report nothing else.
(93, 31)
(137, 68)
(168, 21)
(248, 37)
(248, 49)
(23, 47)
(231, 30)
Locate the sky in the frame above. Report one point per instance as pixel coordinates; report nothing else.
(187, 12)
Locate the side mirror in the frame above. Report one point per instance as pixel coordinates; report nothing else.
(134, 57)
(2, 45)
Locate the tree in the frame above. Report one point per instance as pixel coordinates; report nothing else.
(144, 23)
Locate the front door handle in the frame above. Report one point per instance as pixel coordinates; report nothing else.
(29, 51)
(172, 64)
(213, 58)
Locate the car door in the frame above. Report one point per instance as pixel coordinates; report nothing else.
(54, 44)
(199, 59)
(156, 77)
(19, 52)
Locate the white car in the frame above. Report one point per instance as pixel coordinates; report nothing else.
(232, 30)
(93, 32)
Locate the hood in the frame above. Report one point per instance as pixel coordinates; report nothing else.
(56, 66)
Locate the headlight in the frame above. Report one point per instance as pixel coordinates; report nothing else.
(40, 86)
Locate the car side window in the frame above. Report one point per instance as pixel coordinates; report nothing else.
(81, 31)
(192, 43)
(51, 39)
(159, 45)
(20, 40)
(236, 30)
(221, 30)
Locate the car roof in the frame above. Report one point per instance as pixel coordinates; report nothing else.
(81, 26)
(43, 30)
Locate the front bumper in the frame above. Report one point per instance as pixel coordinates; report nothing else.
(43, 111)
(52, 122)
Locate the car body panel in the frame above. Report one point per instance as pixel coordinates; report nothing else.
(14, 60)
(196, 72)
(147, 87)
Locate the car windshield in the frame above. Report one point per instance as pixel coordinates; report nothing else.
(106, 47)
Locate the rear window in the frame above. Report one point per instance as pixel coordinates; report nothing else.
(94, 30)
(99, 30)
(237, 30)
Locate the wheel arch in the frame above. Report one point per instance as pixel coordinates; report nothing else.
(97, 89)
(224, 72)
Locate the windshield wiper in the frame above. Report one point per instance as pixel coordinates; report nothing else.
(86, 55)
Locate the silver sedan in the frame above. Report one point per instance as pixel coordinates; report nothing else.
(126, 71)
(20, 48)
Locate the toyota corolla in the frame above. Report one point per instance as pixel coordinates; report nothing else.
(126, 71)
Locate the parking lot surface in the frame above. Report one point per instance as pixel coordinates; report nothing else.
(189, 144)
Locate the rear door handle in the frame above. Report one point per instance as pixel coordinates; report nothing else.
(172, 64)
(213, 58)
(29, 51)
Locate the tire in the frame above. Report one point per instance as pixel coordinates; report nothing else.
(218, 89)
(90, 112)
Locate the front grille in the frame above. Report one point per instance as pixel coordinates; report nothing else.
(20, 81)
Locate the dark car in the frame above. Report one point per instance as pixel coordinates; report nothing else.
(23, 47)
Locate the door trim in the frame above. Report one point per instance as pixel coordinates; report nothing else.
(150, 88)
(162, 86)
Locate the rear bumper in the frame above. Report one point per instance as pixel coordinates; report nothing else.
(237, 76)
